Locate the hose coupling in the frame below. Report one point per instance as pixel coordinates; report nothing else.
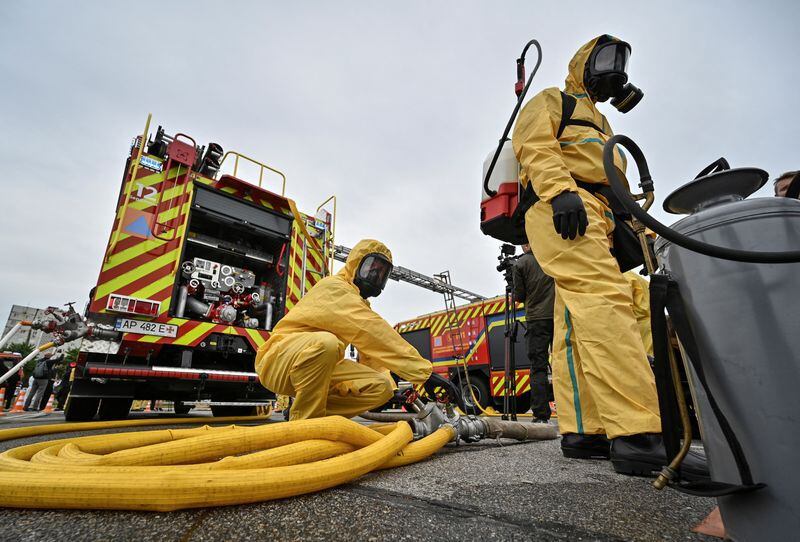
(428, 420)
(664, 478)
(470, 429)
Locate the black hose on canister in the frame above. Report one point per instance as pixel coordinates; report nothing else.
(646, 182)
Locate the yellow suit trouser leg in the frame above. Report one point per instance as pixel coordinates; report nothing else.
(301, 365)
(602, 380)
(641, 308)
(356, 388)
(309, 367)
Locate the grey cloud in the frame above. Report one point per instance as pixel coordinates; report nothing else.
(391, 106)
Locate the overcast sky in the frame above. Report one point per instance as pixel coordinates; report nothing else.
(392, 106)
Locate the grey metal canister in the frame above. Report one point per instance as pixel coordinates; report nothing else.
(746, 322)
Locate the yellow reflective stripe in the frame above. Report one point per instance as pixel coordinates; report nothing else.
(435, 327)
(148, 180)
(154, 287)
(133, 274)
(164, 216)
(440, 322)
(498, 388)
(315, 254)
(195, 333)
(169, 214)
(256, 336)
(132, 252)
(295, 291)
(175, 192)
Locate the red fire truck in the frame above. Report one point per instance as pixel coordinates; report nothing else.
(481, 345)
(199, 267)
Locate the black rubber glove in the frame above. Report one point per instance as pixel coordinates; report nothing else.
(569, 215)
(449, 388)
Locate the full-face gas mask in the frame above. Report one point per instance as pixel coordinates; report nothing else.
(372, 274)
(605, 75)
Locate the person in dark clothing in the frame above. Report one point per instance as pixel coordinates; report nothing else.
(62, 389)
(43, 374)
(534, 288)
(8, 362)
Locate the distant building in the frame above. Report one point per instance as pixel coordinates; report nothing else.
(25, 334)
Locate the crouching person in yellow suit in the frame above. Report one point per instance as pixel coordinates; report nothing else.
(304, 356)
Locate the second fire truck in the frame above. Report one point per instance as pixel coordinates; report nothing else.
(474, 334)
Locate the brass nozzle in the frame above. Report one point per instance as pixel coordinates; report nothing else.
(664, 478)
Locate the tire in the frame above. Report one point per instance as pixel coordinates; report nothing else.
(225, 410)
(481, 389)
(81, 409)
(114, 409)
(180, 408)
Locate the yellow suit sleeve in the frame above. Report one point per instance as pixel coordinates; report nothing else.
(538, 150)
(353, 321)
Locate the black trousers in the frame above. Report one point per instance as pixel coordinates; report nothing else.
(11, 387)
(539, 336)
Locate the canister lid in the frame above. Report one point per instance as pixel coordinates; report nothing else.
(721, 187)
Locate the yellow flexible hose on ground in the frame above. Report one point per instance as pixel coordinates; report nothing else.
(172, 469)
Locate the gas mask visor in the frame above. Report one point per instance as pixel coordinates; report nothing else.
(372, 275)
(608, 70)
(610, 57)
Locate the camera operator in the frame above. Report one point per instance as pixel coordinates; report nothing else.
(533, 287)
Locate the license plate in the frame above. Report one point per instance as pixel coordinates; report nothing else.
(127, 325)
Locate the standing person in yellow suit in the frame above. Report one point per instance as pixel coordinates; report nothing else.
(603, 384)
(304, 356)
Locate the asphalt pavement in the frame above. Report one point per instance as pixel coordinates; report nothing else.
(488, 490)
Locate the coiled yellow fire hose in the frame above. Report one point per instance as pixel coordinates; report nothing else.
(172, 469)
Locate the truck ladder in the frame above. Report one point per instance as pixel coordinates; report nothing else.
(401, 274)
(453, 327)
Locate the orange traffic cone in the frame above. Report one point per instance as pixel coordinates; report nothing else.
(20, 404)
(2, 400)
(49, 407)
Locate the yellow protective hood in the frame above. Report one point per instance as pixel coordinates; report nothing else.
(362, 248)
(574, 81)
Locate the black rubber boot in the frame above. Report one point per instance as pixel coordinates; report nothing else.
(644, 455)
(576, 446)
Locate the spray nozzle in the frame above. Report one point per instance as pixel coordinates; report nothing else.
(520, 84)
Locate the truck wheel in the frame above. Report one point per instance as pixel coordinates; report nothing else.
(481, 390)
(181, 408)
(81, 409)
(114, 409)
(225, 410)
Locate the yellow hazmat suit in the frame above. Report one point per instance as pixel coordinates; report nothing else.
(304, 355)
(640, 292)
(603, 383)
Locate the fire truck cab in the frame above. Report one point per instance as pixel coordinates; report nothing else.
(199, 267)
